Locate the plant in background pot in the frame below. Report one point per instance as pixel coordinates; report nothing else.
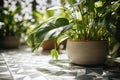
(87, 42)
(12, 29)
(40, 34)
(44, 22)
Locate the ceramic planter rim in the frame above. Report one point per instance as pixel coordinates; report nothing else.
(86, 40)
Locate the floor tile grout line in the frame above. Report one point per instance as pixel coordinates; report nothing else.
(7, 66)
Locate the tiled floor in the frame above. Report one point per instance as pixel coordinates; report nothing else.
(4, 72)
(22, 64)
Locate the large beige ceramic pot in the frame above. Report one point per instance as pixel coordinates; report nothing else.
(11, 42)
(87, 52)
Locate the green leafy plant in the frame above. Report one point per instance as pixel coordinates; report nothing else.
(46, 31)
(44, 22)
(11, 26)
(81, 22)
(112, 20)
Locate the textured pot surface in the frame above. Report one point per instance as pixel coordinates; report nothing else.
(87, 52)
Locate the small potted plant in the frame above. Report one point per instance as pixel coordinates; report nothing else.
(87, 35)
(11, 30)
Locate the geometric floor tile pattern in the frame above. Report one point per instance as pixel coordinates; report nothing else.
(22, 64)
(4, 72)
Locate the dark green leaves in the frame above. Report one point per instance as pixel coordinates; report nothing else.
(71, 2)
(47, 30)
(90, 5)
(12, 26)
(61, 22)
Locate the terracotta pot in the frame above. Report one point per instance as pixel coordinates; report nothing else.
(48, 44)
(10, 42)
(87, 52)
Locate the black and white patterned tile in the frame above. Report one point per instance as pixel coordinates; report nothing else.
(24, 65)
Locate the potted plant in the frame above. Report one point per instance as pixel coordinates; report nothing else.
(43, 20)
(87, 42)
(11, 30)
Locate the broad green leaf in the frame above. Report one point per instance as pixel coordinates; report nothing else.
(57, 31)
(54, 54)
(61, 22)
(62, 38)
(71, 2)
